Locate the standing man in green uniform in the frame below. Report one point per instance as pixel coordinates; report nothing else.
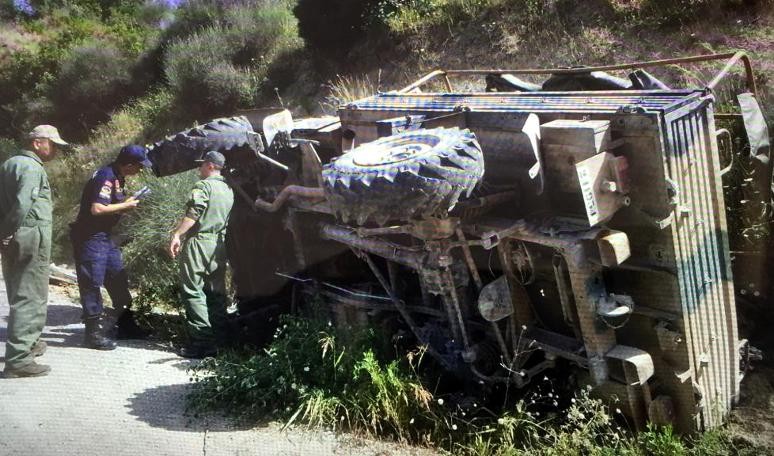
(203, 257)
(25, 230)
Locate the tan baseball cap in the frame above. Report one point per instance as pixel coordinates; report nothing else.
(47, 132)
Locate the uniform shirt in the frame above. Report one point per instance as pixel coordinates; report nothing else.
(106, 186)
(25, 195)
(210, 205)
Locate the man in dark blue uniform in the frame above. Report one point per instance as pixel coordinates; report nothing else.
(98, 260)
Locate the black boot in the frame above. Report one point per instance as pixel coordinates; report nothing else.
(96, 336)
(127, 327)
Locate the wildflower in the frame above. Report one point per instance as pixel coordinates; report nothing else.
(500, 421)
(550, 394)
(581, 416)
(411, 421)
(306, 368)
(545, 378)
(341, 418)
(572, 400)
(556, 403)
(475, 405)
(292, 386)
(618, 411)
(440, 401)
(330, 323)
(454, 427)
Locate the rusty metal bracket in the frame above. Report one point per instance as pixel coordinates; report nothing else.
(286, 193)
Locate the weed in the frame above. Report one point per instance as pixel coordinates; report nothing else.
(345, 89)
(315, 374)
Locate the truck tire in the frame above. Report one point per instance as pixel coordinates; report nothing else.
(232, 136)
(411, 175)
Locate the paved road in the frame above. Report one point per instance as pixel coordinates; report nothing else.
(129, 402)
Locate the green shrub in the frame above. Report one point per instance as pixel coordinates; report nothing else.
(414, 15)
(147, 229)
(93, 80)
(8, 149)
(221, 67)
(259, 33)
(315, 374)
(201, 76)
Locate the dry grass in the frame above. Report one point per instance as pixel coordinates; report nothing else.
(345, 89)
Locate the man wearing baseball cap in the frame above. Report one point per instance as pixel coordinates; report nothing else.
(25, 231)
(203, 257)
(98, 259)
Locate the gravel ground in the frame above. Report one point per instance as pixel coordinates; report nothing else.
(131, 402)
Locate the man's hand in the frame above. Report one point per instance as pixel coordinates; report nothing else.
(174, 246)
(131, 203)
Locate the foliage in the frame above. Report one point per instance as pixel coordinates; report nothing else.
(318, 375)
(321, 376)
(345, 89)
(220, 68)
(200, 74)
(93, 80)
(8, 149)
(149, 227)
(101, 53)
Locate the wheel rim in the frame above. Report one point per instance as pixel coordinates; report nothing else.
(395, 150)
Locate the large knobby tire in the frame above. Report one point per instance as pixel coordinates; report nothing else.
(234, 137)
(411, 175)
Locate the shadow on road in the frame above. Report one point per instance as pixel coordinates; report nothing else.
(164, 407)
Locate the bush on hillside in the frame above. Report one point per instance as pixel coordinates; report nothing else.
(93, 80)
(259, 33)
(221, 68)
(201, 77)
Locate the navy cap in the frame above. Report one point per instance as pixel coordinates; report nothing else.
(134, 154)
(214, 157)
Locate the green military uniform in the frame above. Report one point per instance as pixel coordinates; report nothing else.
(25, 214)
(203, 259)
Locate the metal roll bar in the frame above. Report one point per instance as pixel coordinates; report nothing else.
(732, 59)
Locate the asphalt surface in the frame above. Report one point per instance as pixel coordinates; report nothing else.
(131, 401)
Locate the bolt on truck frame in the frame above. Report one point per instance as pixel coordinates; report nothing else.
(579, 221)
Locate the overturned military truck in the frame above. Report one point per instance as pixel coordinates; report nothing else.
(514, 227)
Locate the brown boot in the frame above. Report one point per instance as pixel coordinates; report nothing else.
(32, 369)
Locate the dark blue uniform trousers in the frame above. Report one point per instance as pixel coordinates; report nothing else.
(98, 263)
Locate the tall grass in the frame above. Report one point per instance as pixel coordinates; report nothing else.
(315, 374)
(345, 89)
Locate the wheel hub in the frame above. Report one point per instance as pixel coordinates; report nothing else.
(387, 153)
